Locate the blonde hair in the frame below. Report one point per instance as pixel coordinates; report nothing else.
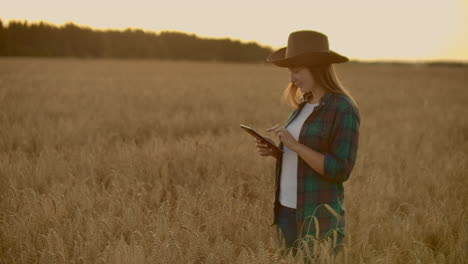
(325, 76)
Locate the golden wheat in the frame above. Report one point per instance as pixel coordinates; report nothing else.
(115, 161)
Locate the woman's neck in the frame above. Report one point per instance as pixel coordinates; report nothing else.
(317, 94)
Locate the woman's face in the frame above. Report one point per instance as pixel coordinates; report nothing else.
(302, 78)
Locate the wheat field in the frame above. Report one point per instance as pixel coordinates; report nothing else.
(141, 161)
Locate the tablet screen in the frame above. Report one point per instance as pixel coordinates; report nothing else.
(261, 138)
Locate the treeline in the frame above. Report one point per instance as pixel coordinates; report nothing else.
(47, 40)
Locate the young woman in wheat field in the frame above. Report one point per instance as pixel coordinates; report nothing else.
(319, 141)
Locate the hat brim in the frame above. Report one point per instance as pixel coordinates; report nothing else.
(305, 59)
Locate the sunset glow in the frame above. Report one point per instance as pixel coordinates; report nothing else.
(362, 29)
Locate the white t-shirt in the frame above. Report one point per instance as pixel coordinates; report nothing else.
(288, 187)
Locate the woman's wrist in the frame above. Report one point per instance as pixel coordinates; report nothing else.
(296, 147)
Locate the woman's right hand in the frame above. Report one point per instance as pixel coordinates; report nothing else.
(263, 149)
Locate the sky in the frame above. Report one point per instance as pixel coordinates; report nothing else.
(408, 30)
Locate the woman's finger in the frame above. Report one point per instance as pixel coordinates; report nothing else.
(263, 146)
(264, 153)
(264, 150)
(279, 129)
(272, 128)
(279, 132)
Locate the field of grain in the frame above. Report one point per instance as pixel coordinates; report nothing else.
(134, 161)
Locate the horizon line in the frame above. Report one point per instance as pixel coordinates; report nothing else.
(139, 28)
(415, 60)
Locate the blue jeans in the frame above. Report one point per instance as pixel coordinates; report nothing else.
(287, 232)
(286, 229)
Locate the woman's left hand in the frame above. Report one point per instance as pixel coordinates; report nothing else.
(285, 136)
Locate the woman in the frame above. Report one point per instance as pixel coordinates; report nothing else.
(319, 142)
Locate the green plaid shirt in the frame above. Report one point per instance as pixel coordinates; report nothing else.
(333, 130)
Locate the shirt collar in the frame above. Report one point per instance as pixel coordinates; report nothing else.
(323, 100)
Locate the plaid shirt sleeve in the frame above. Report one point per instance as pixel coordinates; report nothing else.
(342, 154)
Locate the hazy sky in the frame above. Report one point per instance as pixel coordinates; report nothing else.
(362, 29)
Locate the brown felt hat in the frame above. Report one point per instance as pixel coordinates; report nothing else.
(306, 48)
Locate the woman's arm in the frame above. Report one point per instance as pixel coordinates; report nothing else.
(315, 159)
(336, 165)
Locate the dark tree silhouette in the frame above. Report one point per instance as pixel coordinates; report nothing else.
(69, 40)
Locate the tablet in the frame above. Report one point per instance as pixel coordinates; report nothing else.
(252, 132)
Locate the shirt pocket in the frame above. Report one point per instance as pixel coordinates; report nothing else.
(317, 136)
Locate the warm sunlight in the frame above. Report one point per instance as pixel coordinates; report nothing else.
(362, 29)
(152, 131)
